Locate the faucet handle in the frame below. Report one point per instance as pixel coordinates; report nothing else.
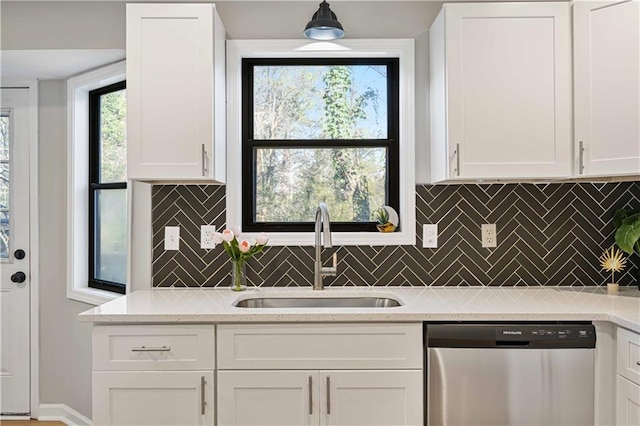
(332, 270)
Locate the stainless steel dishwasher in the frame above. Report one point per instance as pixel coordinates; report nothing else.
(510, 374)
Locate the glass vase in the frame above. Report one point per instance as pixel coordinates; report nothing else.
(238, 276)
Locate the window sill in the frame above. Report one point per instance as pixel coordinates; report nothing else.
(92, 296)
(406, 237)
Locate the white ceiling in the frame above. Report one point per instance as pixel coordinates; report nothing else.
(53, 64)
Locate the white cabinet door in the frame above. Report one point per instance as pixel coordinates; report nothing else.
(607, 86)
(501, 91)
(152, 398)
(627, 402)
(267, 398)
(175, 65)
(345, 398)
(367, 398)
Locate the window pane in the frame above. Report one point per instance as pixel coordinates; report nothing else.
(291, 182)
(320, 102)
(4, 234)
(4, 137)
(113, 137)
(111, 235)
(4, 186)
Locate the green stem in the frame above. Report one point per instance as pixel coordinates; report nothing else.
(237, 265)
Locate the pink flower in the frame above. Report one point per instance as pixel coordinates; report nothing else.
(244, 246)
(236, 231)
(262, 239)
(217, 238)
(228, 235)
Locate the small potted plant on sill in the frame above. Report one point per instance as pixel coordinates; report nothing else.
(384, 223)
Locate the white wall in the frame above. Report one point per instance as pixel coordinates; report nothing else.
(65, 343)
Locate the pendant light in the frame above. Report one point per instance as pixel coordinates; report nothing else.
(324, 25)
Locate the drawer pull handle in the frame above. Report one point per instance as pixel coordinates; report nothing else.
(310, 395)
(151, 349)
(202, 395)
(638, 363)
(328, 395)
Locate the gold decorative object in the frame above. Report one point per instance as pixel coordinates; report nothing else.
(612, 260)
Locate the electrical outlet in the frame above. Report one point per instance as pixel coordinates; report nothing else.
(172, 238)
(489, 236)
(206, 236)
(430, 235)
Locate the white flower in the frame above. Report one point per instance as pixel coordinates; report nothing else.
(244, 246)
(262, 239)
(236, 231)
(217, 238)
(228, 235)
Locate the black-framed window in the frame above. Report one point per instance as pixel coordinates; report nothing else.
(319, 130)
(108, 188)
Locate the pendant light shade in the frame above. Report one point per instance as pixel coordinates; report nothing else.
(324, 25)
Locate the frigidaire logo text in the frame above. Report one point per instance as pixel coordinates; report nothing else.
(511, 332)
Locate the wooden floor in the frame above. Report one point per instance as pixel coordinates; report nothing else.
(29, 423)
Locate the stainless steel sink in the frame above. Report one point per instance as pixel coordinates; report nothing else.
(318, 302)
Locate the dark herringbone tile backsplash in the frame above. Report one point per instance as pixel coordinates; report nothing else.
(548, 234)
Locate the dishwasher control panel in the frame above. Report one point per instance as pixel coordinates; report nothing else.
(516, 335)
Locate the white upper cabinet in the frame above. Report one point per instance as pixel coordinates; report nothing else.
(175, 92)
(500, 81)
(607, 87)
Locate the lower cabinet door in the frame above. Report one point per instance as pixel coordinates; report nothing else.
(267, 398)
(151, 398)
(366, 397)
(627, 402)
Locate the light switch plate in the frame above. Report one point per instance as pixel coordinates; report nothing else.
(206, 236)
(430, 235)
(489, 237)
(172, 238)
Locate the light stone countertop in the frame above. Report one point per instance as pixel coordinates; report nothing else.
(418, 304)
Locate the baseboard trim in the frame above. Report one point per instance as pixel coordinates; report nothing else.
(62, 413)
(12, 417)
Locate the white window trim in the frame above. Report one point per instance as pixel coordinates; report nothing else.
(374, 48)
(78, 89)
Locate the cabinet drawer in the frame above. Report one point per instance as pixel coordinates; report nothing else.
(628, 355)
(318, 346)
(153, 347)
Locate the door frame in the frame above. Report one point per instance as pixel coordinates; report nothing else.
(34, 289)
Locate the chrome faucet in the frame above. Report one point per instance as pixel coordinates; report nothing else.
(323, 222)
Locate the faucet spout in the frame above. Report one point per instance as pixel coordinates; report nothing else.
(323, 223)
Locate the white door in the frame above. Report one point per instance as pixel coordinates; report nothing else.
(607, 86)
(152, 398)
(14, 251)
(509, 89)
(267, 398)
(382, 398)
